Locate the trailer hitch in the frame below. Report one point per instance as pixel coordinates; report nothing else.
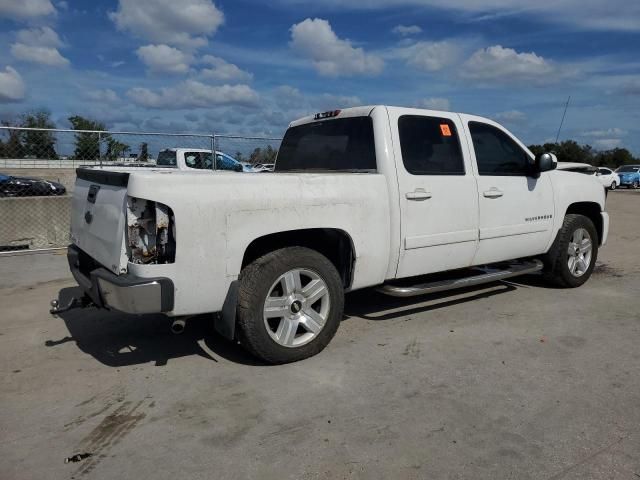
(74, 302)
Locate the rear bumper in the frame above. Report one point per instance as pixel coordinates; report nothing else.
(125, 293)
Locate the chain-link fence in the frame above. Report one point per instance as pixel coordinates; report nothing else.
(37, 171)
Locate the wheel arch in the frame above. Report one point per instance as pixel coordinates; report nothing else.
(591, 210)
(335, 244)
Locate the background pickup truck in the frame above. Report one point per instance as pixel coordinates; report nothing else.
(368, 196)
(199, 159)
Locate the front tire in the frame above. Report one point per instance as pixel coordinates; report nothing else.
(572, 257)
(613, 185)
(290, 305)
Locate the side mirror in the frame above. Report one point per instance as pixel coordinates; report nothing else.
(546, 162)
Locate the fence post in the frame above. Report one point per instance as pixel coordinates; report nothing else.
(100, 147)
(214, 157)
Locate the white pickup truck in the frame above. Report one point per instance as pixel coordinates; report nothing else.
(361, 197)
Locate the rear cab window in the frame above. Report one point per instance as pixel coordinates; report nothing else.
(336, 145)
(167, 158)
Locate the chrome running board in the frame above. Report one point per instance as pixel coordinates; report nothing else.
(491, 274)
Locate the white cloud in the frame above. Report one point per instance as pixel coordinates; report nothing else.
(289, 98)
(194, 94)
(224, 71)
(621, 15)
(511, 116)
(429, 56)
(328, 101)
(42, 55)
(435, 103)
(330, 55)
(185, 23)
(26, 9)
(103, 96)
(499, 64)
(163, 58)
(607, 143)
(609, 132)
(12, 87)
(632, 87)
(39, 45)
(39, 37)
(405, 30)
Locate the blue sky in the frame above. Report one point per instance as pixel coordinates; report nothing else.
(250, 67)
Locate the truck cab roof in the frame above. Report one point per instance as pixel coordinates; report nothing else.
(366, 110)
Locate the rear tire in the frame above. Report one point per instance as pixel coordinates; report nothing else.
(572, 257)
(290, 305)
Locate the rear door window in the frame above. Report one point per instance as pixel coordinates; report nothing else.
(166, 158)
(430, 146)
(344, 144)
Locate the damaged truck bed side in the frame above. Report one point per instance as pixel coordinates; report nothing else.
(367, 196)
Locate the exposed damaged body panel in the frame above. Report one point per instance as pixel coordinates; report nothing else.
(150, 232)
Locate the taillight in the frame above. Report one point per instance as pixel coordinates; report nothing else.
(151, 235)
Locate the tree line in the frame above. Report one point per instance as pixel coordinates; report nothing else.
(87, 146)
(42, 144)
(572, 151)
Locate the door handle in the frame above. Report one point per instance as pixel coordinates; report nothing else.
(418, 194)
(493, 192)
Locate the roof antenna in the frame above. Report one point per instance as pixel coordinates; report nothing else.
(562, 121)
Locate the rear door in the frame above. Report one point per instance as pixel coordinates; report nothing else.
(516, 209)
(438, 193)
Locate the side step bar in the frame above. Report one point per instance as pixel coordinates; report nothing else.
(491, 274)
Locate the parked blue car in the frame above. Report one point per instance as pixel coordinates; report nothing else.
(629, 176)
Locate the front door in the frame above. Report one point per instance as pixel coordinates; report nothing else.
(516, 209)
(438, 193)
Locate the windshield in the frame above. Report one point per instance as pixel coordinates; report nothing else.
(167, 158)
(333, 145)
(628, 169)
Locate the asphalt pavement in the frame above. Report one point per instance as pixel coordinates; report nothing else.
(511, 380)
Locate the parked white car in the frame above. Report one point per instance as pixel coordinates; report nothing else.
(608, 178)
(361, 197)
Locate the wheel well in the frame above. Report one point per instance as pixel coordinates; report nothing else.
(590, 210)
(333, 243)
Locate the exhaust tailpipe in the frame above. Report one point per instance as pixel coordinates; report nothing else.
(178, 326)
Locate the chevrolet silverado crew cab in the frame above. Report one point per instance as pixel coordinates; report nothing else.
(379, 196)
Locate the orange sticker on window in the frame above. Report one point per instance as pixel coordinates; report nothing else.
(445, 130)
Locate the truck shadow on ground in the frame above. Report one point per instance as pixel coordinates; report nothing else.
(372, 305)
(117, 339)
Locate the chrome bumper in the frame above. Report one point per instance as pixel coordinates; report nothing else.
(125, 293)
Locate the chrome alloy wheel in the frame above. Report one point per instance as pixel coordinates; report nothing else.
(296, 307)
(579, 252)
